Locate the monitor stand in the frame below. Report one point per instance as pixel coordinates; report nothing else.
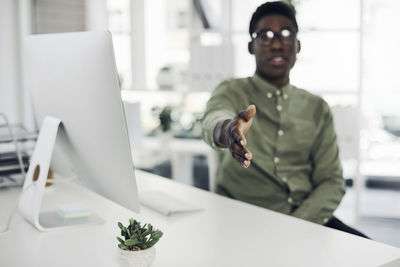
(35, 182)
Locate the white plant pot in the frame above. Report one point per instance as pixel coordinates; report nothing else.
(141, 258)
(166, 80)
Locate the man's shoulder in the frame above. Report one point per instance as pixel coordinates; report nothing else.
(305, 93)
(234, 83)
(308, 96)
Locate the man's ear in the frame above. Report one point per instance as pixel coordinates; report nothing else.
(298, 46)
(250, 47)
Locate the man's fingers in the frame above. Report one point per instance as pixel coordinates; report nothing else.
(240, 150)
(238, 157)
(242, 139)
(248, 155)
(244, 162)
(238, 136)
(239, 127)
(245, 124)
(250, 112)
(241, 154)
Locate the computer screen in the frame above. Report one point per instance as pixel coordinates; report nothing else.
(73, 77)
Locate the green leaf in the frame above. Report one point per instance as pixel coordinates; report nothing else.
(131, 222)
(120, 240)
(121, 246)
(123, 234)
(131, 242)
(146, 233)
(120, 225)
(157, 235)
(151, 243)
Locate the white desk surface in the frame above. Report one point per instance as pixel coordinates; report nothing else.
(225, 233)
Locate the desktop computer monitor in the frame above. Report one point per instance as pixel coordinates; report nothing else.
(73, 77)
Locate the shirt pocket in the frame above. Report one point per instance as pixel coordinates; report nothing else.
(305, 132)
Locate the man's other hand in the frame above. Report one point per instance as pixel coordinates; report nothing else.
(231, 133)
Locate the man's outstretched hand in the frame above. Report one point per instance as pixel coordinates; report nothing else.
(231, 133)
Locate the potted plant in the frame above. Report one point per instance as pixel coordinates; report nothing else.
(166, 78)
(136, 244)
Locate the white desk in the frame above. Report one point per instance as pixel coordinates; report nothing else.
(226, 233)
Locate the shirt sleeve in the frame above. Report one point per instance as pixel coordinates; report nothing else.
(221, 106)
(327, 177)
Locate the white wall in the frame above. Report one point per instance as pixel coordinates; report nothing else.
(96, 15)
(10, 89)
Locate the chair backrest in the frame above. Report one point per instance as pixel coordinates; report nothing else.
(346, 120)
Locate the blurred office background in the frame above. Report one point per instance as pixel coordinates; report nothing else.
(170, 55)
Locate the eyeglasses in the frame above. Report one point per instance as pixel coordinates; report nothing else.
(266, 37)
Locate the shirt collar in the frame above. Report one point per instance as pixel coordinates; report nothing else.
(267, 87)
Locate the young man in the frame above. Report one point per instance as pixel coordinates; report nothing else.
(290, 142)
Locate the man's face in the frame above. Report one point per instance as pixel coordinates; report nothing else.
(275, 60)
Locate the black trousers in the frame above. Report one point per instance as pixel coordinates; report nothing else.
(335, 223)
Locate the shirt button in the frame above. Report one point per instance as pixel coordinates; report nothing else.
(284, 179)
(276, 160)
(278, 92)
(269, 95)
(326, 220)
(285, 96)
(280, 132)
(279, 107)
(290, 200)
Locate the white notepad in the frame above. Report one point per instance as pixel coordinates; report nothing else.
(73, 210)
(165, 203)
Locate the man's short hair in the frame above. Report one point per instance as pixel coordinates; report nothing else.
(276, 7)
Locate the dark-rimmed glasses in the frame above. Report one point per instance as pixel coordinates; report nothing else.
(266, 37)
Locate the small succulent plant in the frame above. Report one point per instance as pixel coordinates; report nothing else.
(138, 237)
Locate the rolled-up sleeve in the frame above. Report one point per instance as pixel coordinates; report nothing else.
(221, 106)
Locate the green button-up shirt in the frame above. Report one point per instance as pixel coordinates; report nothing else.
(295, 167)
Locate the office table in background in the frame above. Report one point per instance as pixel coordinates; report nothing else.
(225, 233)
(181, 151)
